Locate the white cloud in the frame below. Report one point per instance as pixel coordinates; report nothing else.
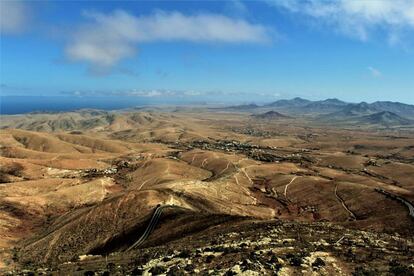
(109, 38)
(374, 72)
(194, 93)
(13, 17)
(357, 18)
(175, 94)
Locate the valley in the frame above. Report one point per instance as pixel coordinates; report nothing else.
(168, 188)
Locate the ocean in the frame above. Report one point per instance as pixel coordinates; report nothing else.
(25, 104)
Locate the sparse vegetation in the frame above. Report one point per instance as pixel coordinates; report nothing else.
(10, 169)
(101, 188)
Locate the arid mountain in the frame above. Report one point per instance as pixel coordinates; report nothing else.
(404, 110)
(295, 102)
(146, 182)
(270, 115)
(349, 113)
(331, 102)
(80, 120)
(325, 110)
(325, 106)
(84, 120)
(385, 118)
(364, 114)
(363, 109)
(355, 110)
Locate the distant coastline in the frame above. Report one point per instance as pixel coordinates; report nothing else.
(13, 105)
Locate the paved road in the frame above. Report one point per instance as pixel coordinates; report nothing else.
(150, 227)
(409, 205)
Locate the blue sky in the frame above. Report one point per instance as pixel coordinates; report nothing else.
(246, 51)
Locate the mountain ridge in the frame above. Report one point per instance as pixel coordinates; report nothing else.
(331, 107)
(271, 115)
(385, 118)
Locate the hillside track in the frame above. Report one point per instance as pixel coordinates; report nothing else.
(352, 216)
(150, 227)
(402, 200)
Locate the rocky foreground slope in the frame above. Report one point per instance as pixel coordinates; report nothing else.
(245, 247)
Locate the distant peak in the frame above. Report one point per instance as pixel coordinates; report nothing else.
(300, 99)
(270, 115)
(333, 100)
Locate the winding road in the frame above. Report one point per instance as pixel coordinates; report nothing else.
(150, 227)
(351, 214)
(409, 205)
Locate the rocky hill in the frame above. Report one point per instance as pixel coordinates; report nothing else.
(270, 115)
(353, 110)
(295, 102)
(401, 109)
(385, 118)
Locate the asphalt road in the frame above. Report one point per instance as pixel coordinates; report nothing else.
(150, 227)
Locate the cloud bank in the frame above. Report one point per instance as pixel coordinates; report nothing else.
(357, 18)
(108, 38)
(168, 93)
(13, 17)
